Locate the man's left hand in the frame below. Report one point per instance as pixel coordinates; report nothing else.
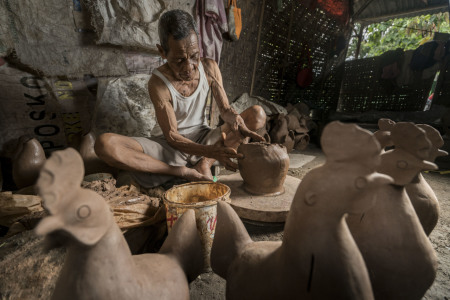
(237, 125)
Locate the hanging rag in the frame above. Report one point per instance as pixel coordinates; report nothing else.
(234, 21)
(305, 74)
(212, 23)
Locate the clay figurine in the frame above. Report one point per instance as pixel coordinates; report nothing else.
(399, 257)
(420, 192)
(384, 134)
(318, 258)
(29, 159)
(263, 168)
(98, 263)
(92, 163)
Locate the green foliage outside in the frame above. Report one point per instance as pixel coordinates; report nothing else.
(405, 33)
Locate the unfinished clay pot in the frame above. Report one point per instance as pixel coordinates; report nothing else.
(399, 256)
(98, 263)
(263, 168)
(318, 258)
(27, 163)
(420, 192)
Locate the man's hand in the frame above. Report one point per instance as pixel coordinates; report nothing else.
(224, 156)
(237, 125)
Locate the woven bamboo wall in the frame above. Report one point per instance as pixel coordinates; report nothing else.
(285, 32)
(363, 90)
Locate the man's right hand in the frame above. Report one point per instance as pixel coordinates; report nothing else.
(224, 156)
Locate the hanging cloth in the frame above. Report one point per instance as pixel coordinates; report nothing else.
(212, 23)
(305, 75)
(234, 20)
(337, 9)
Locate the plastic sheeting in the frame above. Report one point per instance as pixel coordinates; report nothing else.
(124, 106)
(131, 23)
(51, 110)
(45, 37)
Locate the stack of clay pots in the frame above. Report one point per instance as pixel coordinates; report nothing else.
(290, 130)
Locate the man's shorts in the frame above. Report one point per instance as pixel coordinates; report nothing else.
(158, 148)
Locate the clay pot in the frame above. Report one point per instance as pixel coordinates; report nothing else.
(289, 141)
(28, 162)
(301, 141)
(279, 129)
(263, 168)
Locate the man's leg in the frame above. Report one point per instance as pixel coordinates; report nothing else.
(254, 118)
(126, 153)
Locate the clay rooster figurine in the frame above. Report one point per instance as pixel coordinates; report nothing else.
(318, 258)
(99, 264)
(384, 134)
(399, 257)
(30, 157)
(420, 193)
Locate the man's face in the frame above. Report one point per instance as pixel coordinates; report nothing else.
(183, 57)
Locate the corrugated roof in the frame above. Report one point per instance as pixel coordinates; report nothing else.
(374, 11)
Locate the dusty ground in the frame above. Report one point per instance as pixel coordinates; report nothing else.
(211, 286)
(28, 272)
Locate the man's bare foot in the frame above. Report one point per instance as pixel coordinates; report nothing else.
(192, 174)
(204, 167)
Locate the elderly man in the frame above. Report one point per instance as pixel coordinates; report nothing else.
(182, 144)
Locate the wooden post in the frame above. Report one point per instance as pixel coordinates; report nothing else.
(288, 45)
(358, 45)
(257, 47)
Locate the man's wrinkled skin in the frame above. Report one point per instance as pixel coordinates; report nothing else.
(183, 58)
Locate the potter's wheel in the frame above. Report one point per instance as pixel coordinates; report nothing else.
(260, 208)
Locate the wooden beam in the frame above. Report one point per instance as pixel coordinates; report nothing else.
(286, 51)
(358, 45)
(257, 47)
(424, 10)
(361, 9)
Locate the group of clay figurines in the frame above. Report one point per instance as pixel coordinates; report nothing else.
(379, 251)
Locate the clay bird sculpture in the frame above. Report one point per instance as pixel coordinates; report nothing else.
(98, 263)
(399, 256)
(420, 193)
(318, 258)
(28, 161)
(384, 134)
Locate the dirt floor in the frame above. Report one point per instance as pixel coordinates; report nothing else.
(27, 271)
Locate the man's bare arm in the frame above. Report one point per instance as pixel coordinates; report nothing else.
(228, 114)
(160, 96)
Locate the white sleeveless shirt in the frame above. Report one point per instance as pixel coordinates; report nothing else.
(189, 111)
